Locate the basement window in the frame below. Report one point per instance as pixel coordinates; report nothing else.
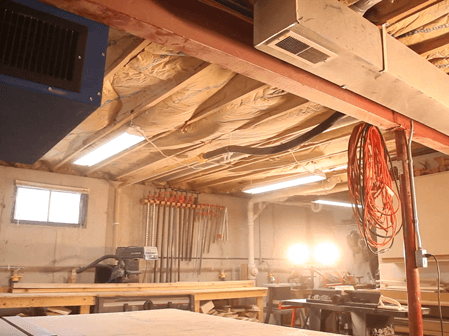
(49, 205)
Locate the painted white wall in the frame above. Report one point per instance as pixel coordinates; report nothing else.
(43, 246)
(432, 193)
(50, 246)
(282, 226)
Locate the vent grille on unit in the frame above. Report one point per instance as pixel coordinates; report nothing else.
(40, 47)
(302, 48)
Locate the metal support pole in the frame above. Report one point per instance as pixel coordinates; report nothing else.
(410, 245)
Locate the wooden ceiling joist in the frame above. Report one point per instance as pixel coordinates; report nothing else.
(164, 91)
(425, 17)
(331, 146)
(266, 177)
(245, 164)
(391, 12)
(192, 27)
(431, 46)
(232, 97)
(122, 48)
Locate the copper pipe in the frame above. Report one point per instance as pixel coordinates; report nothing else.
(410, 245)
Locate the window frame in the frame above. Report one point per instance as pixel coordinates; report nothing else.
(82, 214)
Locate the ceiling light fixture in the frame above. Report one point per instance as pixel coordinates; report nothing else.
(115, 146)
(286, 184)
(336, 168)
(334, 203)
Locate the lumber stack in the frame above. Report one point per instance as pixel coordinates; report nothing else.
(238, 312)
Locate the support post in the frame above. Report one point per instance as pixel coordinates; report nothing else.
(410, 245)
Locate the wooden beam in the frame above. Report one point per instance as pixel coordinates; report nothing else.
(267, 177)
(235, 89)
(46, 300)
(220, 38)
(228, 182)
(123, 287)
(223, 98)
(427, 298)
(315, 152)
(322, 153)
(122, 48)
(162, 92)
(431, 45)
(271, 113)
(425, 16)
(283, 137)
(391, 12)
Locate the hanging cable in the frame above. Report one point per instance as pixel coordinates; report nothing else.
(374, 200)
(317, 130)
(439, 291)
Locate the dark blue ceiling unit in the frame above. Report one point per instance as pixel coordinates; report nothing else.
(51, 76)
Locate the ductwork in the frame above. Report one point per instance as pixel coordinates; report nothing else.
(280, 194)
(331, 41)
(362, 6)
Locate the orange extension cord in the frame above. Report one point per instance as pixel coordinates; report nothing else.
(374, 201)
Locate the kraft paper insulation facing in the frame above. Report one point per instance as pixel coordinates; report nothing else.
(258, 117)
(426, 26)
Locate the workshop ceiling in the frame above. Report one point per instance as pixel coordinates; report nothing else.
(185, 106)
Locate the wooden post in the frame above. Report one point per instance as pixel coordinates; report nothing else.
(260, 305)
(84, 309)
(196, 305)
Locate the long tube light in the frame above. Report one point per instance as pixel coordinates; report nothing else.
(286, 184)
(115, 146)
(334, 203)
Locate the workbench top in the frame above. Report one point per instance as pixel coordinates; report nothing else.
(165, 322)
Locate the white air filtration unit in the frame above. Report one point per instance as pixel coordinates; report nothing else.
(330, 40)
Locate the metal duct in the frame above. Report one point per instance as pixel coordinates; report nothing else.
(330, 40)
(362, 6)
(51, 76)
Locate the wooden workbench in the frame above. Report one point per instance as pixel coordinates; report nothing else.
(84, 296)
(165, 322)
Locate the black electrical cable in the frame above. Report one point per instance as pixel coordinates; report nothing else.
(95, 262)
(439, 291)
(279, 148)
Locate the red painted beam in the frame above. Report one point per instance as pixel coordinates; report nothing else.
(220, 38)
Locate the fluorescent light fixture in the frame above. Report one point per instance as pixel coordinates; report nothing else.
(286, 184)
(115, 146)
(341, 204)
(336, 168)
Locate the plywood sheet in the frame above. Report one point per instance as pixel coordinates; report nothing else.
(165, 322)
(8, 330)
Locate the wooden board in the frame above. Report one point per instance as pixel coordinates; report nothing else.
(427, 298)
(431, 327)
(72, 288)
(122, 47)
(45, 300)
(161, 322)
